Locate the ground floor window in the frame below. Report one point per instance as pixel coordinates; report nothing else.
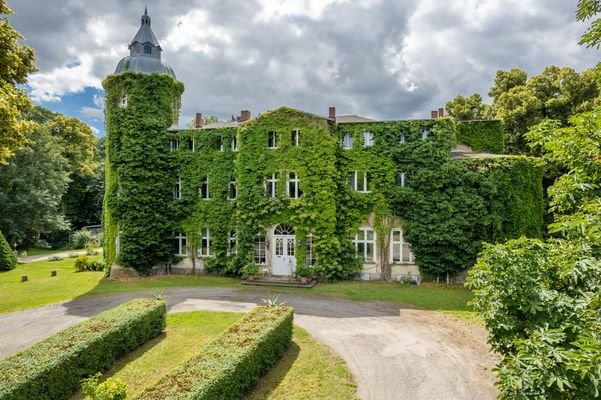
(309, 252)
(400, 250)
(365, 243)
(260, 249)
(232, 243)
(206, 249)
(180, 245)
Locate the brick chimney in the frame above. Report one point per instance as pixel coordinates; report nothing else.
(244, 116)
(332, 113)
(440, 112)
(198, 123)
(434, 114)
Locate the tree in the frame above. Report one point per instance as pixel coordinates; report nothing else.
(78, 144)
(8, 260)
(467, 108)
(507, 80)
(585, 11)
(16, 62)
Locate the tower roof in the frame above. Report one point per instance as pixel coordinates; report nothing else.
(145, 33)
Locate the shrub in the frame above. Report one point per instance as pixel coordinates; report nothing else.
(55, 258)
(54, 367)
(84, 238)
(110, 389)
(250, 269)
(304, 271)
(82, 263)
(233, 362)
(8, 260)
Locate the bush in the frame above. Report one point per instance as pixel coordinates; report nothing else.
(82, 263)
(233, 362)
(55, 258)
(250, 269)
(304, 271)
(110, 389)
(8, 260)
(83, 239)
(54, 367)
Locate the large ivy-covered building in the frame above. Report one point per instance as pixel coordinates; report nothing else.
(347, 196)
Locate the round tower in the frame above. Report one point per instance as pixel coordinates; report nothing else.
(142, 102)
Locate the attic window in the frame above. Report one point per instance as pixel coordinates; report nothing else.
(147, 49)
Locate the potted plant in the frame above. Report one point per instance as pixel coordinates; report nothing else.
(250, 270)
(304, 272)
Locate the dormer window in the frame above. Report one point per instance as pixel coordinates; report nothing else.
(147, 49)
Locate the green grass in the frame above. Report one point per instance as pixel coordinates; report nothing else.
(308, 370)
(39, 251)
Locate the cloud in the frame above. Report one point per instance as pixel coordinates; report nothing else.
(378, 58)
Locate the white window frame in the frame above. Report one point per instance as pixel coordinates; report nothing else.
(234, 144)
(402, 138)
(355, 177)
(205, 251)
(260, 244)
(273, 179)
(296, 181)
(400, 244)
(347, 141)
(182, 245)
(310, 259)
(174, 144)
(232, 239)
(295, 136)
(177, 191)
(368, 139)
(123, 101)
(272, 144)
(365, 241)
(403, 179)
(207, 194)
(193, 149)
(221, 143)
(425, 134)
(229, 191)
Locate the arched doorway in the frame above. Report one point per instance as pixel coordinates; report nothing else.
(283, 261)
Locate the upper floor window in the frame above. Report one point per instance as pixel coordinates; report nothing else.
(359, 181)
(232, 243)
(206, 248)
(177, 190)
(271, 184)
(425, 134)
(147, 49)
(232, 191)
(400, 250)
(234, 144)
(365, 243)
(272, 140)
(347, 141)
(191, 144)
(174, 144)
(294, 190)
(123, 101)
(402, 138)
(401, 179)
(309, 252)
(180, 245)
(203, 190)
(368, 139)
(295, 136)
(221, 143)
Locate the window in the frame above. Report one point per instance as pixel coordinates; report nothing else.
(234, 144)
(347, 141)
(260, 248)
(425, 134)
(359, 182)
(123, 101)
(191, 144)
(147, 49)
(180, 245)
(203, 190)
(271, 185)
(400, 251)
(295, 136)
(205, 243)
(221, 143)
(232, 191)
(402, 137)
(272, 140)
(309, 253)
(401, 179)
(232, 243)
(174, 144)
(177, 190)
(368, 139)
(293, 186)
(365, 243)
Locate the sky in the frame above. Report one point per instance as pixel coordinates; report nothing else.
(384, 59)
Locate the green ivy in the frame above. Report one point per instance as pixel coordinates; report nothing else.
(482, 136)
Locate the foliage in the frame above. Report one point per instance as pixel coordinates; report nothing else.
(587, 10)
(16, 62)
(31, 188)
(55, 258)
(84, 238)
(77, 142)
(8, 260)
(225, 368)
(304, 271)
(273, 300)
(507, 80)
(467, 108)
(110, 389)
(84, 263)
(482, 136)
(250, 269)
(138, 203)
(54, 367)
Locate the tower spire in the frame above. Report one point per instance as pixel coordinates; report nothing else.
(145, 10)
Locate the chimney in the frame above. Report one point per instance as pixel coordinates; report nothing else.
(332, 113)
(244, 116)
(198, 122)
(440, 112)
(434, 114)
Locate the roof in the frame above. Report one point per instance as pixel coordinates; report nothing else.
(217, 125)
(145, 33)
(350, 119)
(144, 65)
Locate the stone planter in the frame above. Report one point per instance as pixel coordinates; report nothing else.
(251, 278)
(303, 280)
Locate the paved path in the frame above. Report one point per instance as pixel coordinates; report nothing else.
(393, 352)
(62, 254)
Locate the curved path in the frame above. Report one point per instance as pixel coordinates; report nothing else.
(393, 352)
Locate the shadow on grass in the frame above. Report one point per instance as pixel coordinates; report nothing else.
(274, 377)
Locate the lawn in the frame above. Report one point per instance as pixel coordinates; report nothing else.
(308, 370)
(42, 289)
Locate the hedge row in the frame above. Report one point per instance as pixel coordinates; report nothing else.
(54, 367)
(233, 362)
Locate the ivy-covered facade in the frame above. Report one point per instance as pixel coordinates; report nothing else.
(347, 196)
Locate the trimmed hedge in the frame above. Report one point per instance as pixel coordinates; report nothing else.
(54, 367)
(233, 362)
(482, 136)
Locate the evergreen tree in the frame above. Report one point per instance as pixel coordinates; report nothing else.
(7, 257)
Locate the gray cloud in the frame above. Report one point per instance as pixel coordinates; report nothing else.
(384, 59)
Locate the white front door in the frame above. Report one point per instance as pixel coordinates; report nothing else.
(283, 261)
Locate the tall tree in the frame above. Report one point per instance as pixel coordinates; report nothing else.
(467, 108)
(16, 62)
(507, 80)
(587, 10)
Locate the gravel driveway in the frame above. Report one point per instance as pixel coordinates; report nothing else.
(392, 351)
